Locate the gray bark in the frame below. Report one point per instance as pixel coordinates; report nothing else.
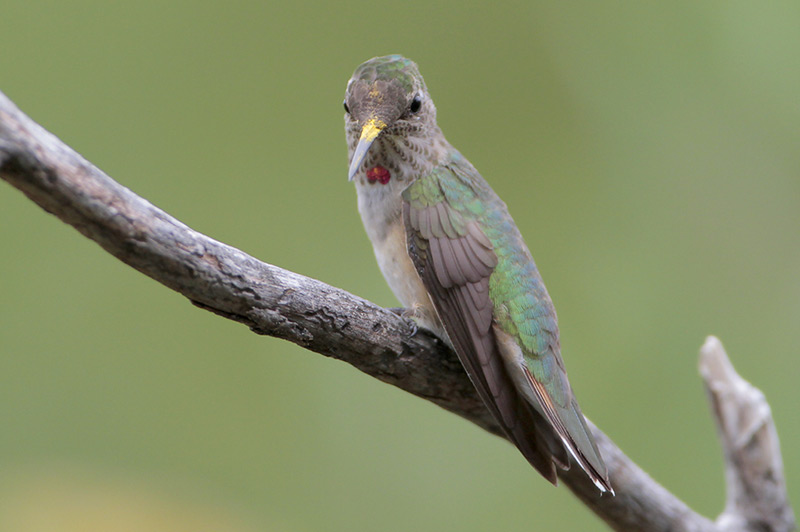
(334, 323)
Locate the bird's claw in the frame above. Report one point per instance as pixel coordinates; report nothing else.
(408, 314)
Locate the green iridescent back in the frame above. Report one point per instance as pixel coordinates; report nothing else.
(521, 303)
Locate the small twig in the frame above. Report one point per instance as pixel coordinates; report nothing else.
(323, 319)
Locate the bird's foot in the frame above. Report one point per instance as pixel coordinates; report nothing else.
(409, 314)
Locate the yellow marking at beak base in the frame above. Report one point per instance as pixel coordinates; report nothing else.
(371, 129)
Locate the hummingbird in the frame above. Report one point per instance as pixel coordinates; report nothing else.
(453, 256)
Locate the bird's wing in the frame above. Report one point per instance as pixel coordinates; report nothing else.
(473, 279)
(455, 260)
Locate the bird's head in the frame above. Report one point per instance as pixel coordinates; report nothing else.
(386, 97)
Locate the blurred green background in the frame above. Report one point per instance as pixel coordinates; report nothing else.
(649, 153)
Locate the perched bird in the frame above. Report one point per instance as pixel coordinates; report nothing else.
(454, 257)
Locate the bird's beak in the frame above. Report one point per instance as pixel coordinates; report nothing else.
(369, 133)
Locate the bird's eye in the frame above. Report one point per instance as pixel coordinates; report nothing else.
(416, 103)
(346, 108)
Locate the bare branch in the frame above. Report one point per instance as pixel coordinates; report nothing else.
(319, 317)
(757, 497)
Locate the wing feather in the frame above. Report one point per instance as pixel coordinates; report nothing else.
(447, 223)
(579, 444)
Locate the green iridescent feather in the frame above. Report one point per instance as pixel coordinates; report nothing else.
(522, 306)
